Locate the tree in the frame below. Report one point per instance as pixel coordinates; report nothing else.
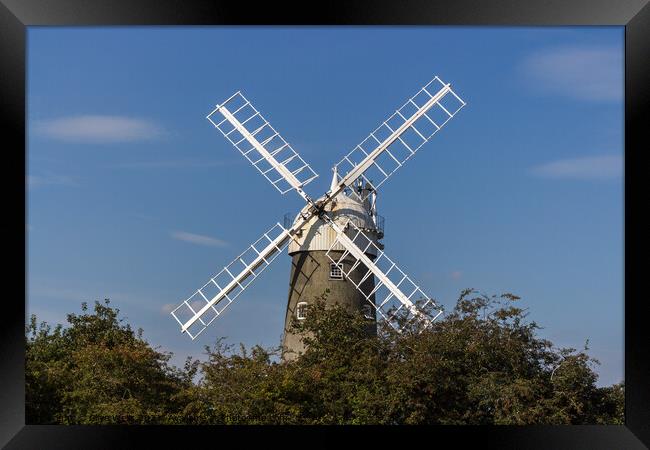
(482, 363)
(97, 371)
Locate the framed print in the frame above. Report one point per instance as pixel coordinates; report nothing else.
(402, 155)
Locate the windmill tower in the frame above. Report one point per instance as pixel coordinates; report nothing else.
(312, 271)
(343, 217)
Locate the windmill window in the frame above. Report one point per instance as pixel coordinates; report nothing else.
(367, 312)
(336, 271)
(301, 310)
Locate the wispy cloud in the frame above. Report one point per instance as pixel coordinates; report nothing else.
(456, 275)
(198, 239)
(585, 73)
(36, 181)
(167, 308)
(98, 129)
(586, 168)
(169, 164)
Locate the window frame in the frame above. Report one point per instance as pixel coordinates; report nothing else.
(301, 307)
(366, 310)
(338, 266)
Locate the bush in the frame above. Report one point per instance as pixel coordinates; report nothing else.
(482, 363)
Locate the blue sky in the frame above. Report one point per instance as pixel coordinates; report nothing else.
(134, 196)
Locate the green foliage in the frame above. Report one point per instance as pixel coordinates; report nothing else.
(97, 371)
(482, 363)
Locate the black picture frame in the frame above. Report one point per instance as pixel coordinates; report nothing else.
(16, 15)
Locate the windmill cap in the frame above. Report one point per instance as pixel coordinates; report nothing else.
(317, 235)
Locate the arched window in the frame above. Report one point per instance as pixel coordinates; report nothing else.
(336, 271)
(301, 310)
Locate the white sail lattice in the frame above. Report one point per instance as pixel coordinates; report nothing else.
(261, 144)
(209, 301)
(414, 123)
(397, 307)
(398, 300)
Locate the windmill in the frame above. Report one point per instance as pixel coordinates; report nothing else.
(353, 247)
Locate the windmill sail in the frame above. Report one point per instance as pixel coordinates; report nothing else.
(397, 139)
(395, 296)
(397, 299)
(209, 301)
(261, 144)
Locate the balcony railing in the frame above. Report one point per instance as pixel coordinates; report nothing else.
(289, 217)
